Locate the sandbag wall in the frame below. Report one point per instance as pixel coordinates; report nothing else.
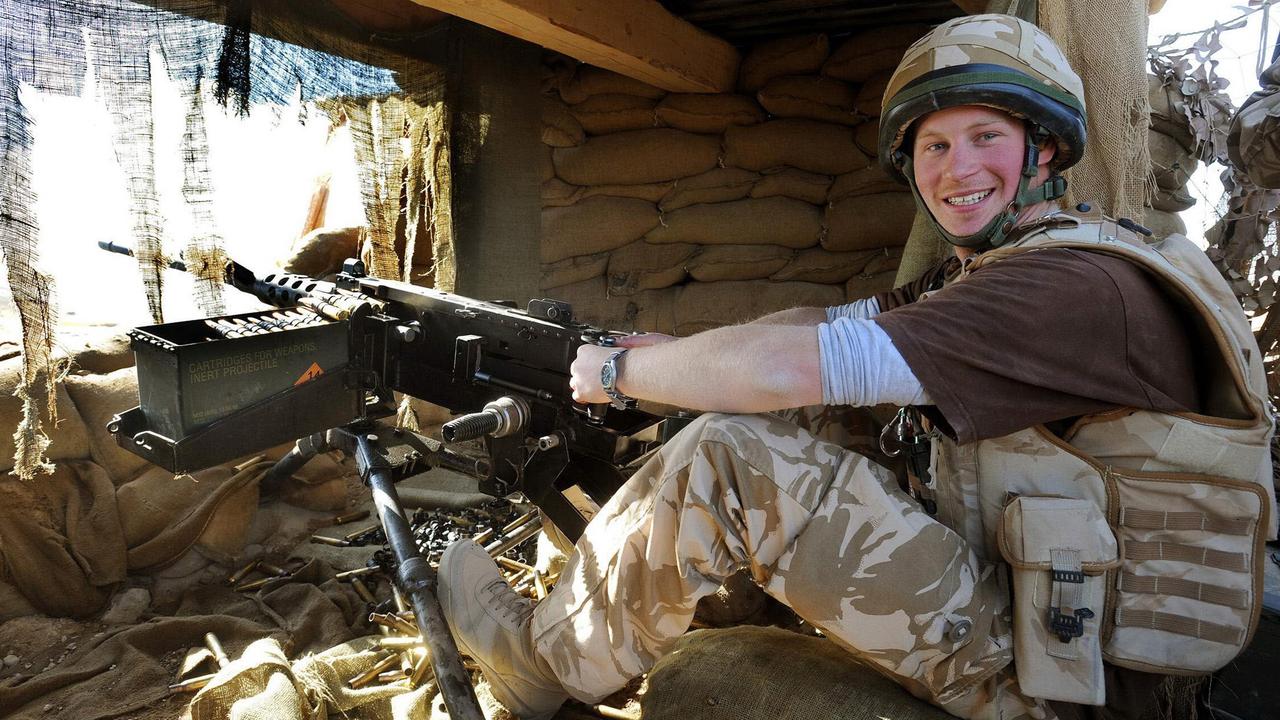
(680, 212)
(1173, 159)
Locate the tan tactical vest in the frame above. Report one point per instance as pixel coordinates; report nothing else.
(1138, 536)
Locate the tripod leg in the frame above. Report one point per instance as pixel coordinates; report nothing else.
(303, 450)
(418, 582)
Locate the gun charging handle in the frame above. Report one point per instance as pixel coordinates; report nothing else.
(500, 418)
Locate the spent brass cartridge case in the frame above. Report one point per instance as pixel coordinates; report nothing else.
(513, 565)
(363, 591)
(391, 676)
(400, 642)
(350, 517)
(406, 626)
(524, 532)
(239, 575)
(358, 572)
(395, 622)
(539, 585)
(254, 584)
(351, 536)
(215, 647)
(612, 713)
(276, 570)
(519, 521)
(420, 670)
(191, 684)
(335, 542)
(367, 676)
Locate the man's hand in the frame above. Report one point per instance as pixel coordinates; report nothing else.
(584, 374)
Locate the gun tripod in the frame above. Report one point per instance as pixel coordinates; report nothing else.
(384, 455)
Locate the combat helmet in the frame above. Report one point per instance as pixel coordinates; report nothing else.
(998, 61)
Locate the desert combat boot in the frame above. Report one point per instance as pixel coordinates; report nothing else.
(491, 623)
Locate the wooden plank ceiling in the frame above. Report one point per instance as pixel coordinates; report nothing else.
(678, 45)
(744, 22)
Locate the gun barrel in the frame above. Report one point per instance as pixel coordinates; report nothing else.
(110, 246)
(280, 290)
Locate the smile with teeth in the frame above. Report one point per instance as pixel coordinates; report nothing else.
(968, 199)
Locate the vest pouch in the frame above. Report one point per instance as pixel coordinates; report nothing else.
(1185, 599)
(1059, 550)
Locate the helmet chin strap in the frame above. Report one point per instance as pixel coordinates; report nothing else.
(996, 232)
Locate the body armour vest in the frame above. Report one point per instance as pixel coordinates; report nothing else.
(1135, 536)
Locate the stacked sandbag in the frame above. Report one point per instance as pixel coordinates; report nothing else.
(678, 212)
(1174, 159)
(69, 537)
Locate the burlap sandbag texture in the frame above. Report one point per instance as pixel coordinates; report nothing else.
(760, 673)
(61, 540)
(66, 539)
(126, 669)
(770, 185)
(1105, 42)
(262, 684)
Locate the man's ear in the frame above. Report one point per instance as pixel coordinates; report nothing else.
(1048, 149)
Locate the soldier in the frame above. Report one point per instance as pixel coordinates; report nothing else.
(1090, 436)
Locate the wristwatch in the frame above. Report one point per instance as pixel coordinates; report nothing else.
(609, 373)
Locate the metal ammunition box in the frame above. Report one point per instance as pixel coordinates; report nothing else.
(238, 383)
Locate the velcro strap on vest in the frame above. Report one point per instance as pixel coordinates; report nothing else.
(1193, 448)
(1235, 562)
(1156, 585)
(1179, 625)
(1159, 520)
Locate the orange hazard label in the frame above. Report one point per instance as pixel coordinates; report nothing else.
(312, 373)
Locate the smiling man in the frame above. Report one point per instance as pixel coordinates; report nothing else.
(1087, 423)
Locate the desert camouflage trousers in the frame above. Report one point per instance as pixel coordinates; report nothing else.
(820, 528)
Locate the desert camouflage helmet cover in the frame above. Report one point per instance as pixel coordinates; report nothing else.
(994, 60)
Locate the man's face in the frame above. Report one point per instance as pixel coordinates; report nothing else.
(967, 162)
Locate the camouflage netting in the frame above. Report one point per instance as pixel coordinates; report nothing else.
(259, 61)
(1198, 121)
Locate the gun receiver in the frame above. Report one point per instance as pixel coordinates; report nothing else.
(211, 390)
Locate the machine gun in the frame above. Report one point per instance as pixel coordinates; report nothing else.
(325, 365)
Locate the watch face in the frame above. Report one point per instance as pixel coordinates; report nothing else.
(606, 375)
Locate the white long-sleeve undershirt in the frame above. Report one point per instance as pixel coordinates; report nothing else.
(863, 309)
(859, 364)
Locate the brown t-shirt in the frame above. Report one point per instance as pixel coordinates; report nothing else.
(1041, 337)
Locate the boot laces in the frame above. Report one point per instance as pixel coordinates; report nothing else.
(513, 606)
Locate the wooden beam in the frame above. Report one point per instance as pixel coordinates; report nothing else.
(973, 7)
(637, 38)
(382, 16)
